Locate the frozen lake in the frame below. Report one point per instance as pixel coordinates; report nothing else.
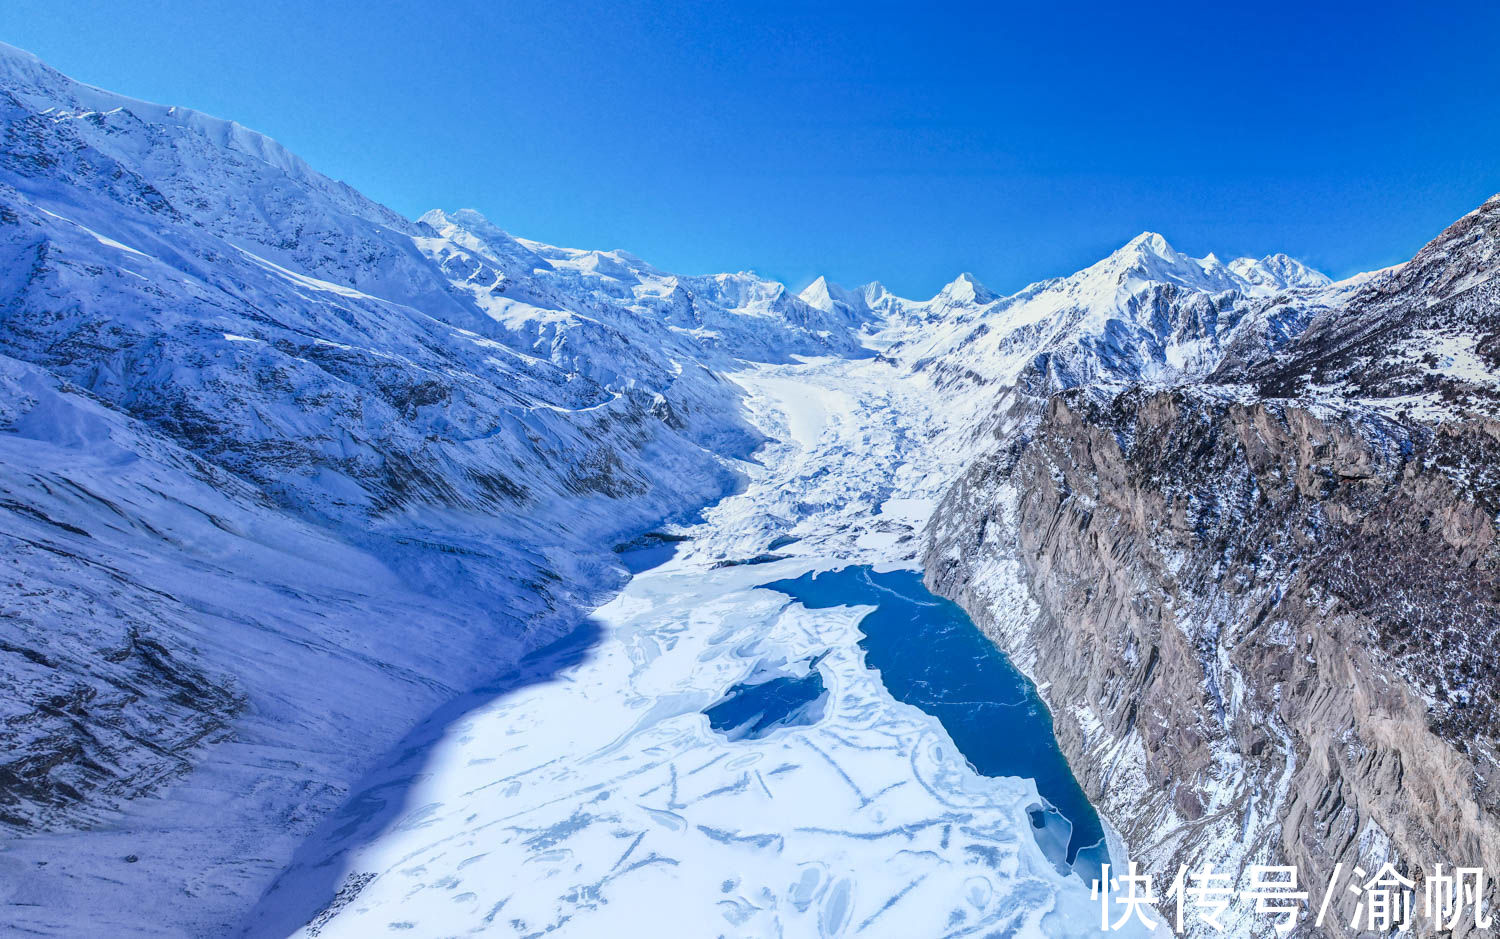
(743, 742)
(929, 654)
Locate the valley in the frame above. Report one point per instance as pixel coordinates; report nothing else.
(369, 573)
(591, 791)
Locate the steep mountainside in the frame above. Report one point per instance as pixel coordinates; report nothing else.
(1264, 606)
(283, 471)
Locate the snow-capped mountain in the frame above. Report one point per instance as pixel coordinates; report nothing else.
(283, 474)
(1424, 336)
(547, 298)
(285, 471)
(275, 453)
(863, 306)
(1290, 610)
(1277, 271)
(1145, 313)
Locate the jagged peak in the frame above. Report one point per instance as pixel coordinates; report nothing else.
(1278, 270)
(965, 288)
(825, 295)
(819, 294)
(1149, 257)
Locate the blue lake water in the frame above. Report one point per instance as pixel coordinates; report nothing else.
(930, 655)
(753, 709)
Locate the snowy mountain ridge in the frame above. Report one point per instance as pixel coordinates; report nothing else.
(1146, 258)
(284, 471)
(1147, 312)
(351, 481)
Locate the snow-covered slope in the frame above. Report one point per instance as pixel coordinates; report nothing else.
(284, 471)
(1421, 338)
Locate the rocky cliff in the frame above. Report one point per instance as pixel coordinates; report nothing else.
(1263, 608)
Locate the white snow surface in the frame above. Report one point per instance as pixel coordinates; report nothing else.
(284, 473)
(595, 800)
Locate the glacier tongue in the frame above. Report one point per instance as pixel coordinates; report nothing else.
(587, 790)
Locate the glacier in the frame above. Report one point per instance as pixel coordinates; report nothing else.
(316, 621)
(596, 796)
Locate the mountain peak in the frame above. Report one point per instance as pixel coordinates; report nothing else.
(965, 288)
(1149, 256)
(818, 294)
(471, 220)
(467, 221)
(856, 303)
(1149, 242)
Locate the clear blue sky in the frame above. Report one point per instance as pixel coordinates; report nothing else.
(904, 142)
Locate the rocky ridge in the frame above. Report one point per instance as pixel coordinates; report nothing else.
(1263, 604)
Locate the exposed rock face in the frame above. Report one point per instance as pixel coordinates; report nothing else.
(1430, 327)
(1266, 624)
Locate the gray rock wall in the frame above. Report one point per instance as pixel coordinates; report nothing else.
(1266, 634)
